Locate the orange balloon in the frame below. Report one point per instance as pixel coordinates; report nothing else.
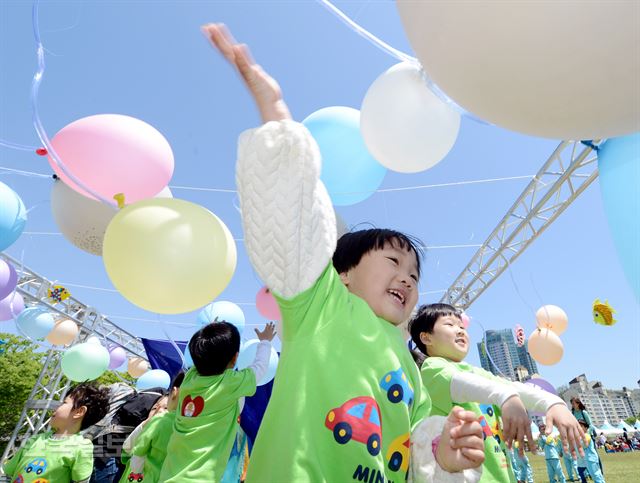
(552, 317)
(63, 333)
(545, 347)
(137, 366)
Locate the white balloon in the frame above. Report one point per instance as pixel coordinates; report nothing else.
(92, 339)
(83, 221)
(405, 126)
(560, 69)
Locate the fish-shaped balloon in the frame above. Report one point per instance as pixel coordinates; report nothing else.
(603, 313)
(58, 293)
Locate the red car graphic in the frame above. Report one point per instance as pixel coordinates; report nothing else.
(357, 419)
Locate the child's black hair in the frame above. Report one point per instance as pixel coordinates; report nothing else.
(425, 320)
(213, 347)
(177, 381)
(353, 246)
(583, 423)
(94, 398)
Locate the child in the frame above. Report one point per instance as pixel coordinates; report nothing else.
(208, 406)
(149, 447)
(570, 464)
(590, 460)
(62, 455)
(438, 331)
(347, 394)
(549, 443)
(525, 472)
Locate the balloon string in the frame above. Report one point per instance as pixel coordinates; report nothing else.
(486, 350)
(37, 123)
(173, 343)
(20, 147)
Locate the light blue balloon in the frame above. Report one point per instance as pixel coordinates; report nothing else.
(248, 354)
(13, 216)
(85, 361)
(349, 172)
(619, 168)
(153, 378)
(188, 360)
(35, 322)
(222, 311)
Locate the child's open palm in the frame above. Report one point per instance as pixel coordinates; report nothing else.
(264, 88)
(461, 444)
(268, 333)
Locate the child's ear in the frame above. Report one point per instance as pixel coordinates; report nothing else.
(80, 412)
(344, 278)
(425, 338)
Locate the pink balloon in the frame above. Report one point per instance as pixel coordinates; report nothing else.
(111, 154)
(14, 302)
(466, 320)
(267, 305)
(8, 279)
(117, 356)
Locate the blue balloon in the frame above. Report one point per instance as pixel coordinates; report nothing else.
(619, 168)
(188, 360)
(13, 216)
(349, 172)
(222, 311)
(248, 354)
(35, 322)
(153, 378)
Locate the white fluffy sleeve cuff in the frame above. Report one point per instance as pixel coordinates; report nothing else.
(287, 215)
(424, 467)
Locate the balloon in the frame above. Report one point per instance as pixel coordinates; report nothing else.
(341, 226)
(35, 322)
(8, 279)
(188, 360)
(619, 174)
(496, 60)
(519, 333)
(112, 154)
(466, 320)
(84, 362)
(117, 356)
(248, 354)
(267, 305)
(349, 172)
(64, 332)
(11, 306)
(92, 339)
(552, 317)
(83, 220)
(13, 216)
(168, 256)
(405, 126)
(137, 366)
(545, 347)
(153, 378)
(222, 311)
(543, 384)
(603, 313)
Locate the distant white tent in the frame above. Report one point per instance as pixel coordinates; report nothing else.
(624, 425)
(637, 424)
(608, 430)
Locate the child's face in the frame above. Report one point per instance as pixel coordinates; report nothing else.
(449, 339)
(387, 280)
(65, 417)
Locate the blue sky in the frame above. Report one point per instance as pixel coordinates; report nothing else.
(148, 59)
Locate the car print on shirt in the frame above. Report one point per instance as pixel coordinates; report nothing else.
(397, 386)
(491, 421)
(398, 453)
(135, 477)
(357, 419)
(37, 465)
(18, 479)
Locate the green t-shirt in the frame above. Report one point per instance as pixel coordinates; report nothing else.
(46, 459)
(205, 425)
(152, 444)
(436, 376)
(346, 395)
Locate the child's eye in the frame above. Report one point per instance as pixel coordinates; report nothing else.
(415, 278)
(393, 259)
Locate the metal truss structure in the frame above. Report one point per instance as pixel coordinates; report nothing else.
(51, 386)
(568, 172)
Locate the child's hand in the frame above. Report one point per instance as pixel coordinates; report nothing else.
(571, 432)
(461, 444)
(268, 333)
(515, 423)
(264, 88)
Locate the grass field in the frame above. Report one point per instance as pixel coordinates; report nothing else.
(618, 467)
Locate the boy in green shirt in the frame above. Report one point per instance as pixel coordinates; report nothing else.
(347, 401)
(438, 331)
(209, 403)
(62, 455)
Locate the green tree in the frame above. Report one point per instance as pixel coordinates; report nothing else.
(20, 364)
(110, 377)
(632, 420)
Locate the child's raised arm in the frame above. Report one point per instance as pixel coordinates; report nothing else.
(287, 215)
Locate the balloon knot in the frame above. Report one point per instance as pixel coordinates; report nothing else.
(42, 151)
(120, 199)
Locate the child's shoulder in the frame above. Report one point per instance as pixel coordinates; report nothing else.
(440, 363)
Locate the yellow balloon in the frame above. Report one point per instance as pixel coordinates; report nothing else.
(137, 366)
(168, 256)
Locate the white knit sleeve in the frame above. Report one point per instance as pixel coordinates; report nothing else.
(287, 216)
(536, 399)
(469, 387)
(260, 363)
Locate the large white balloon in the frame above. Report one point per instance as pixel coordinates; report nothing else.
(83, 221)
(560, 69)
(405, 126)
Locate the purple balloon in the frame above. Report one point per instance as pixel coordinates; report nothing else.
(8, 279)
(12, 301)
(117, 356)
(541, 383)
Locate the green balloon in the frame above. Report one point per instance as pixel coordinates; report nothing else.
(85, 362)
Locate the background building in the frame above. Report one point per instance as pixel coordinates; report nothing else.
(512, 362)
(612, 405)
